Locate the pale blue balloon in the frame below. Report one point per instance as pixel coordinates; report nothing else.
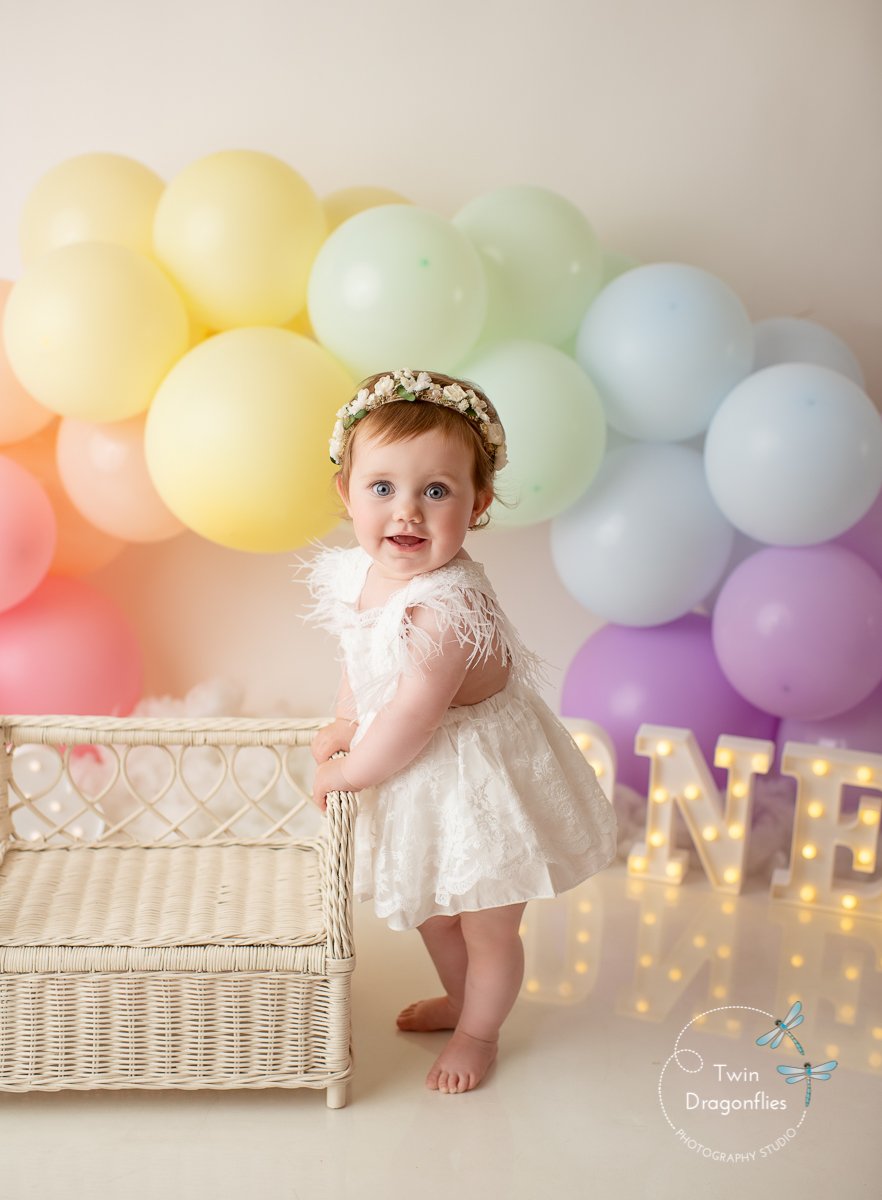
(646, 543)
(794, 455)
(665, 343)
(554, 426)
(793, 339)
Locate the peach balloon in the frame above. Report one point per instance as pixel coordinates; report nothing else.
(20, 414)
(91, 198)
(103, 470)
(27, 533)
(80, 547)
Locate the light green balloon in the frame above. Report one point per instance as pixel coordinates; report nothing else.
(542, 259)
(397, 286)
(554, 425)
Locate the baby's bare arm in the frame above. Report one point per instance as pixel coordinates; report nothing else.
(406, 724)
(339, 734)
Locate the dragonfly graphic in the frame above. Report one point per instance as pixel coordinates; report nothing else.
(782, 1029)
(808, 1073)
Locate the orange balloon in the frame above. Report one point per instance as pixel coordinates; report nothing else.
(81, 547)
(20, 414)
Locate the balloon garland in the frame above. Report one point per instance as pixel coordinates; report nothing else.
(174, 355)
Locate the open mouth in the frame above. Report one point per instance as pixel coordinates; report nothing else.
(406, 542)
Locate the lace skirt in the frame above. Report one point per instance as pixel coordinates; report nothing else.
(500, 807)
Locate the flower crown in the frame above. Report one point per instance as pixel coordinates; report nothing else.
(406, 385)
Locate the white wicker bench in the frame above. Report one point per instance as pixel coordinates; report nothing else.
(172, 914)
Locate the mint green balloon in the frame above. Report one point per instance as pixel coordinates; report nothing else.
(397, 286)
(542, 258)
(554, 425)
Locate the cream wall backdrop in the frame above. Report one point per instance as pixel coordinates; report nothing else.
(738, 135)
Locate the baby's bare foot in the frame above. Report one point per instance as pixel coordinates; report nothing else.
(462, 1064)
(427, 1016)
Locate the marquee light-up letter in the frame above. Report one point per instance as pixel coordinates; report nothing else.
(680, 776)
(818, 829)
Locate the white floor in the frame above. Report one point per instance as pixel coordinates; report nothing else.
(615, 970)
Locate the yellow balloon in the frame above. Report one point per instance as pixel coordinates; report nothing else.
(91, 198)
(239, 231)
(20, 414)
(237, 439)
(339, 206)
(92, 328)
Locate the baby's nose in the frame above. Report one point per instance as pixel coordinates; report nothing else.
(409, 510)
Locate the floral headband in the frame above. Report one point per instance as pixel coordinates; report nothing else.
(406, 385)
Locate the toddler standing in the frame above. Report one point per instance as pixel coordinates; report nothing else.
(473, 797)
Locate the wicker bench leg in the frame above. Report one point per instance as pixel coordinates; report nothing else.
(336, 1095)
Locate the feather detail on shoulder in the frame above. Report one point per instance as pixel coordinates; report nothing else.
(463, 602)
(335, 576)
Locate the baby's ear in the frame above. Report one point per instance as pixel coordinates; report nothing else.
(342, 491)
(483, 500)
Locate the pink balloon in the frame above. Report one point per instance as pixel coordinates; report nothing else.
(27, 533)
(68, 649)
(798, 630)
(624, 676)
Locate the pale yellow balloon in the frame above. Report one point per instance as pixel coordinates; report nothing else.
(237, 439)
(239, 232)
(92, 328)
(104, 473)
(339, 206)
(91, 198)
(20, 414)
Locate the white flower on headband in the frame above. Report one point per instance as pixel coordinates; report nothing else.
(403, 385)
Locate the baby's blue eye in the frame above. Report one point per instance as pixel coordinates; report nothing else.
(436, 491)
(382, 488)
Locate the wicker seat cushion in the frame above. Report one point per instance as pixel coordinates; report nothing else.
(180, 907)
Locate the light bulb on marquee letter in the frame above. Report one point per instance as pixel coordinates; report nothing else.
(680, 776)
(817, 830)
(597, 747)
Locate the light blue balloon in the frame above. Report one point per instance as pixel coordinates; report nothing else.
(665, 343)
(646, 543)
(554, 426)
(793, 339)
(794, 455)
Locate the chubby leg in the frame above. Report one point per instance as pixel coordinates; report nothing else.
(444, 941)
(493, 979)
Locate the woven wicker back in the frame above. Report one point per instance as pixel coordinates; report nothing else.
(89, 781)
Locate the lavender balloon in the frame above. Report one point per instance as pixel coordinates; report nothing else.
(858, 729)
(865, 538)
(798, 631)
(665, 675)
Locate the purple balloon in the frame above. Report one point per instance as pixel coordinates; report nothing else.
(865, 537)
(858, 729)
(663, 675)
(798, 630)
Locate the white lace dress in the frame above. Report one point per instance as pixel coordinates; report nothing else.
(500, 806)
